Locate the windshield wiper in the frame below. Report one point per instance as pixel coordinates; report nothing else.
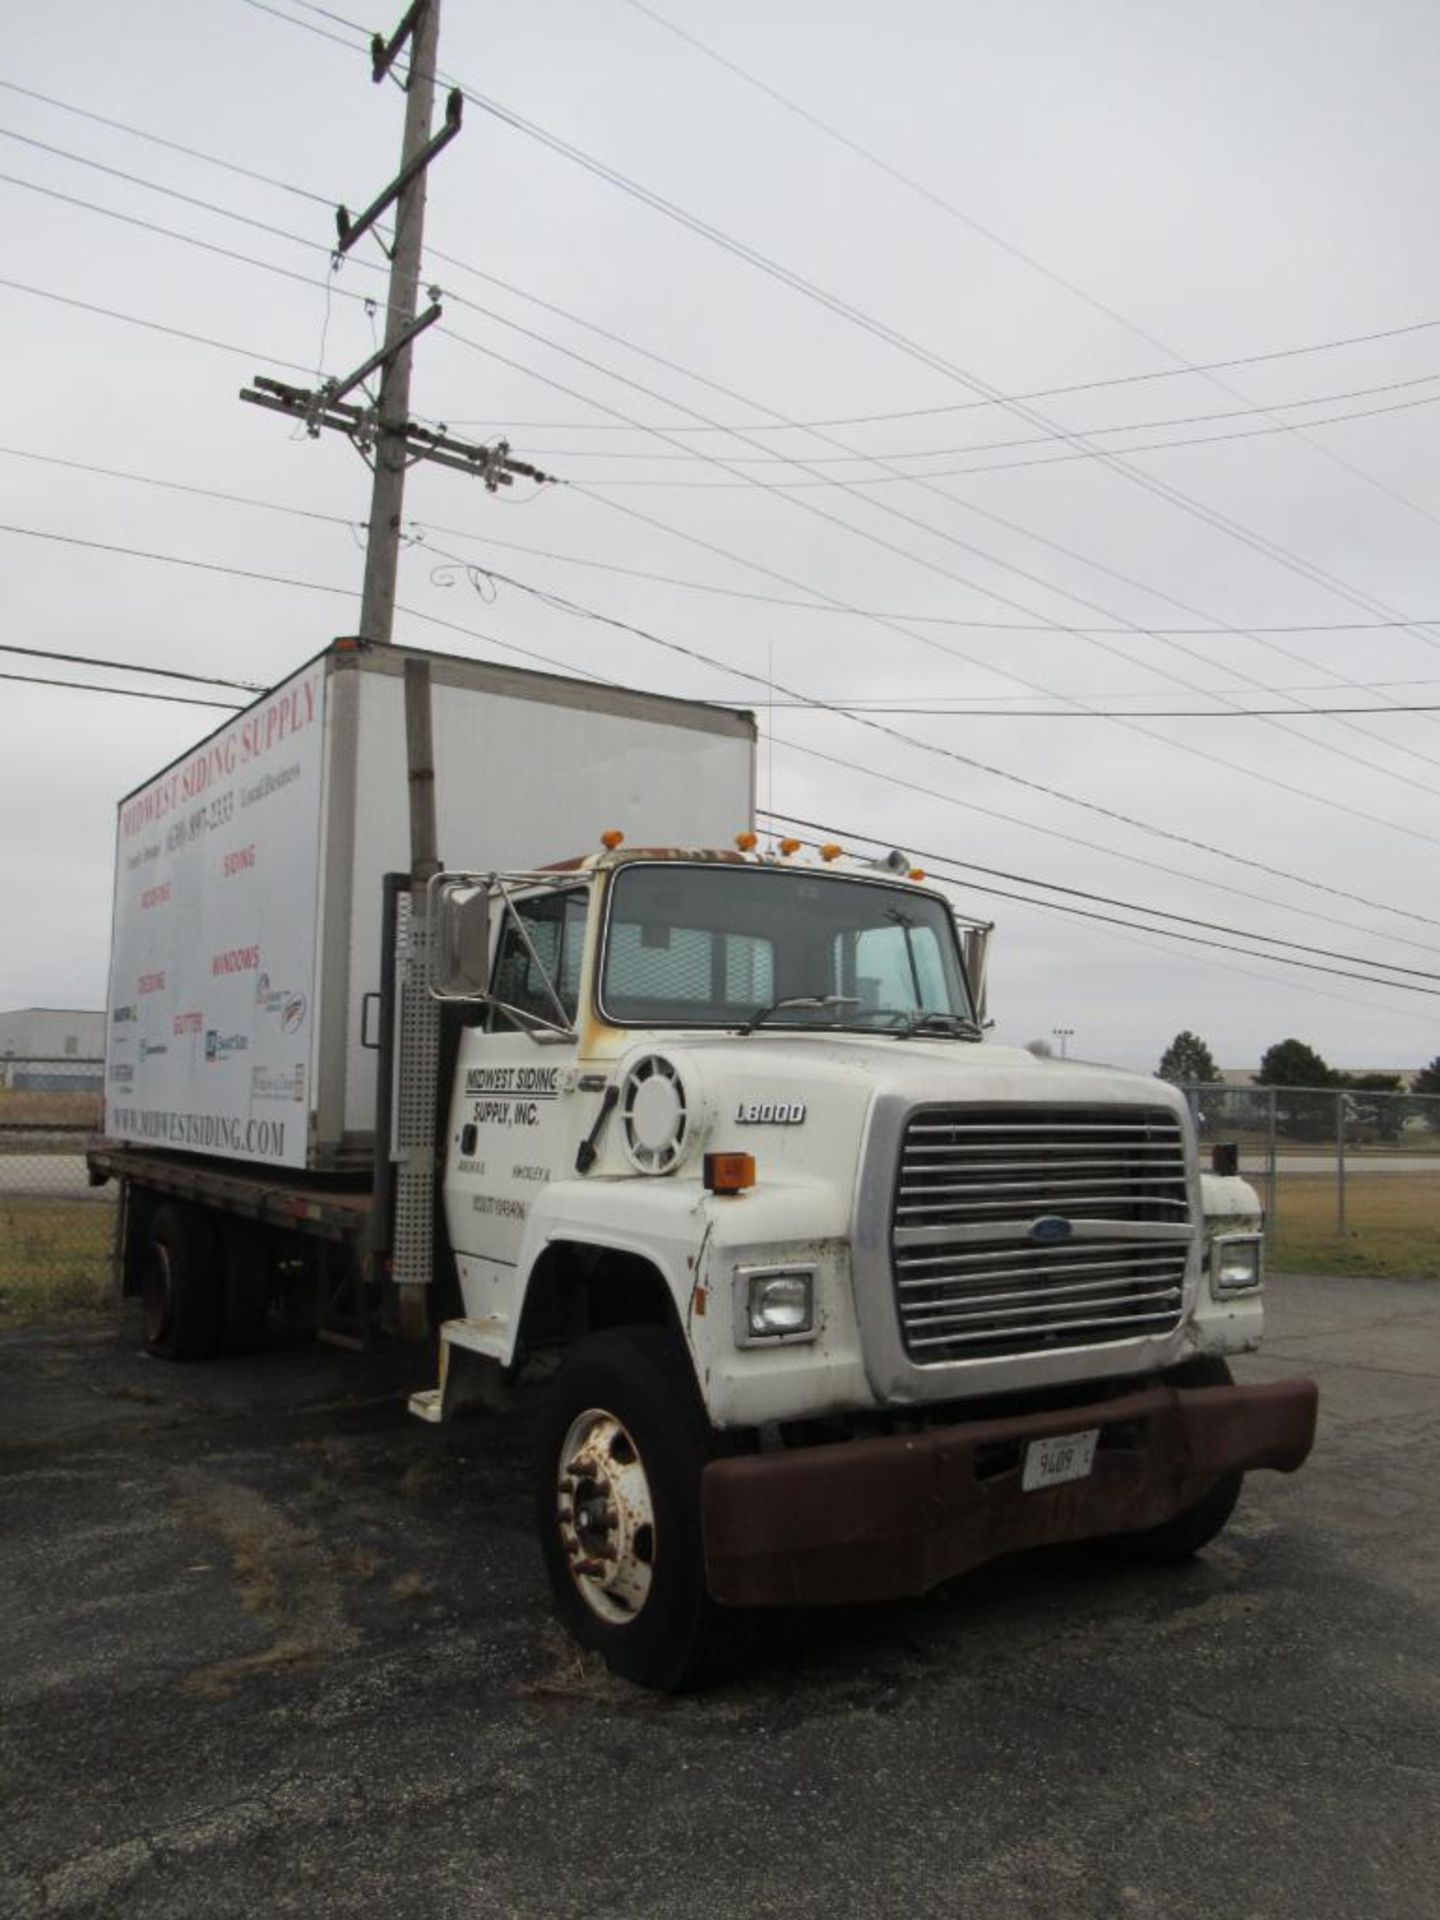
(813, 1003)
(957, 1024)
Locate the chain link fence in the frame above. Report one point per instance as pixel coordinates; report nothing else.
(1350, 1178)
(55, 1228)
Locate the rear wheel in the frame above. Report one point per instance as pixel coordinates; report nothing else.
(623, 1445)
(182, 1285)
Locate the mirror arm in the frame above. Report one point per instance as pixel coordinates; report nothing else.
(537, 962)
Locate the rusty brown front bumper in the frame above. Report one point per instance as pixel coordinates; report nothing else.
(877, 1519)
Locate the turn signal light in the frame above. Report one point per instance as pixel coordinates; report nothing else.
(729, 1172)
(830, 851)
(747, 842)
(611, 839)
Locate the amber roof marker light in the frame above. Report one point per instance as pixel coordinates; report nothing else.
(611, 839)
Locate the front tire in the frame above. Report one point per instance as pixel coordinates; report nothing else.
(624, 1441)
(1181, 1537)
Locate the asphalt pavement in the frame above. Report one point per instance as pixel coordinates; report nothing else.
(272, 1647)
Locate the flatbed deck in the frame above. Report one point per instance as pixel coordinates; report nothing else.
(307, 1203)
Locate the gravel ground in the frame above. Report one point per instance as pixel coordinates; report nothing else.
(270, 1646)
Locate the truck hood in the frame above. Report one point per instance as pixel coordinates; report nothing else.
(801, 1103)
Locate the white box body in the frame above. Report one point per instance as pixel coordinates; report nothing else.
(249, 873)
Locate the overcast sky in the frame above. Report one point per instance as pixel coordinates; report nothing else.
(1100, 192)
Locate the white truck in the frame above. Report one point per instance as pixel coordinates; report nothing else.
(831, 1297)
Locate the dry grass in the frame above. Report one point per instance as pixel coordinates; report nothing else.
(1392, 1225)
(21, 1108)
(281, 1576)
(54, 1259)
(573, 1675)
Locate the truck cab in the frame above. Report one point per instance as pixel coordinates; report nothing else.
(843, 1296)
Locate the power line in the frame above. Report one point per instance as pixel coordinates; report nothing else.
(882, 331)
(174, 146)
(1016, 253)
(849, 527)
(878, 329)
(125, 693)
(170, 193)
(1100, 899)
(1387, 772)
(1033, 439)
(524, 652)
(1099, 713)
(1190, 939)
(125, 666)
(286, 273)
(940, 533)
(1132, 928)
(204, 566)
(970, 866)
(1187, 368)
(935, 708)
(311, 586)
(1162, 490)
(228, 253)
(149, 326)
(176, 560)
(891, 779)
(909, 740)
(1034, 393)
(1010, 466)
(712, 587)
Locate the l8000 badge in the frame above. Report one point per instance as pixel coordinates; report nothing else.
(770, 1113)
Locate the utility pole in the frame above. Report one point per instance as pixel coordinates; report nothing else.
(383, 431)
(382, 552)
(1064, 1035)
(385, 435)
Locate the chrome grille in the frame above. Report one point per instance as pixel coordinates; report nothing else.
(963, 1292)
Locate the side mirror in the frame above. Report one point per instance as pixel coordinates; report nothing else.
(976, 946)
(461, 966)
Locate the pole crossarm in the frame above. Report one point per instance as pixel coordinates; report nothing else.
(383, 52)
(351, 230)
(334, 390)
(491, 464)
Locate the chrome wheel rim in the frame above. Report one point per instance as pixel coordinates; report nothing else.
(606, 1516)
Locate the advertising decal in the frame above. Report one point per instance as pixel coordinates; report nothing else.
(213, 958)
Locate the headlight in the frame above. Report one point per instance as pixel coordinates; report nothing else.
(1236, 1263)
(774, 1305)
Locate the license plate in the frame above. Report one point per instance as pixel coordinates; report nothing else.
(1068, 1456)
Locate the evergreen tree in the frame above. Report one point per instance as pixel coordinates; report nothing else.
(1188, 1061)
(1301, 1116)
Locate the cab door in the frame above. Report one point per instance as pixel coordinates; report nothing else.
(513, 1118)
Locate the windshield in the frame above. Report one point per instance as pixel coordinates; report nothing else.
(717, 945)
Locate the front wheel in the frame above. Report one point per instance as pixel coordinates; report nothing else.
(623, 1445)
(1179, 1538)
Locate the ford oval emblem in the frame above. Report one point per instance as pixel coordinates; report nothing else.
(1050, 1228)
